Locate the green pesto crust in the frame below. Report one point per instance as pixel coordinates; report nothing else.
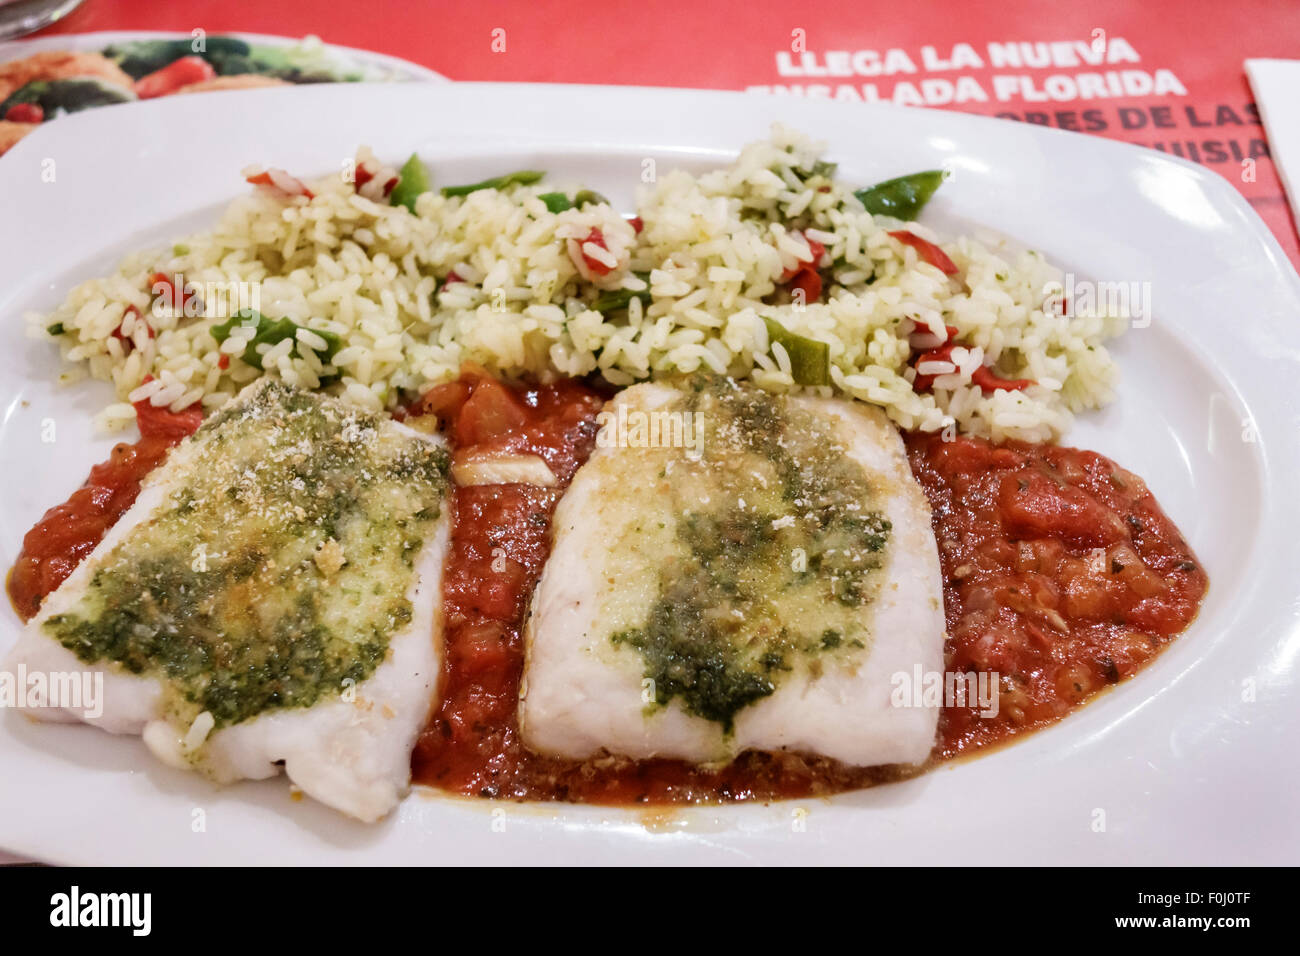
(278, 564)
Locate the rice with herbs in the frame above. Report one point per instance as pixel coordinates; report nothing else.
(385, 303)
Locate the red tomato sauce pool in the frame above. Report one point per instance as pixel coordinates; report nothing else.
(1060, 573)
(70, 531)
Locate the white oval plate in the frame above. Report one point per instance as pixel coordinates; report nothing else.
(1191, 761)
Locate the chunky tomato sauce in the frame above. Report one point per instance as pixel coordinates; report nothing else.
(500, 541)
(1061, 574)
(68, 532)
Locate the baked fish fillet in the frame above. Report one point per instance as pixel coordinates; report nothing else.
(271, 601)
(734, 570)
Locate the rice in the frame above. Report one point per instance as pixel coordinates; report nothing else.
(385, 303)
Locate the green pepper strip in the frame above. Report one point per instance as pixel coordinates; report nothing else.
(556, 202)
(270, 332)
(414, 181)
(904, 197)
(588, 197)
(525, 177)
(810, 360)
(621, 298)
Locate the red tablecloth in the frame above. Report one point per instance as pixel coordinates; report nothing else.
(1162, 73)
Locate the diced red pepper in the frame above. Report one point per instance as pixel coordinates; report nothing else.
(809, 281)
(595, 265)
(161, 422)
(290, 185)
(25, 113)
(364, 175)
(186, 71)
(223, 363)
(927, 250)
(127, 344)
(942, 353)
(128, 341)
(950, 334)
(491, 410)
(168, 290)
(452, 277)
(983, 376)
(445, 401)
(989, 381)
(636, 224)
(173, 295)
(818, 250)
(805, 277)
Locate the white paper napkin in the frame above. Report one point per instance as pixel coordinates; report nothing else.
(1277, 94)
